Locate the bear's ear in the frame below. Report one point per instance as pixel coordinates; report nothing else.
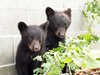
(49, 11)
(45, 26)
(68, 12)
(21, 26)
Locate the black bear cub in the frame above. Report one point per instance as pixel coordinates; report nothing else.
(58, 25)
(32, 44)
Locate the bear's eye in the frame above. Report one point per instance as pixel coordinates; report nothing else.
(58, 25)
(65, 25)
(39, 38)
(31, 38)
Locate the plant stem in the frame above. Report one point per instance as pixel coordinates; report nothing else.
(57, 63)
(69, 68)
(83, 23)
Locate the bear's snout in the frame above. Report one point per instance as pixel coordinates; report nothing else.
(61, 32)
(61, 35)
(35, 46)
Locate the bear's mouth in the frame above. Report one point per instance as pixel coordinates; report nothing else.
(36, 50)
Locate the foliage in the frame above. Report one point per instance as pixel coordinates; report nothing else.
(93, 13)
(76, 51)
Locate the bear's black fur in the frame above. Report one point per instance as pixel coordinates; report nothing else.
(58, 25)
(31, 45)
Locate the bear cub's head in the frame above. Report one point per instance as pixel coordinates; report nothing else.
(33, 36)
(58, 21)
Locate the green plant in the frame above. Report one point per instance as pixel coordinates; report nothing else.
(76, 52)
(92, 13)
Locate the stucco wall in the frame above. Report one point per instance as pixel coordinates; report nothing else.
(32, 12)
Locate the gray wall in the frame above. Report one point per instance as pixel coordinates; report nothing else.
(32, 12)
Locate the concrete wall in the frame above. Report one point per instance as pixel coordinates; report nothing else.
(32, 12)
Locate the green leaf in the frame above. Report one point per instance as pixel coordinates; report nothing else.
(38, 58)
(86, 3)
(95, 38)
(58, 49)
(37, 70)
(68, 41)
(91, 63)
(73, 66)
(83, 65)
(51, 51)
(84, 14)
(98, 59)
(78, 61)
(62, 65)
(46, 65)
(68, 60)
(54, 69)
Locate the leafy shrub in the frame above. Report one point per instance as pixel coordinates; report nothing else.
(76, 52)
(93, 12)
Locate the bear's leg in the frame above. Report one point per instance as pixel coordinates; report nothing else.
(22, 69)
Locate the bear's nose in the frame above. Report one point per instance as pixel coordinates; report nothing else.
(61, 35)
(36, 48)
